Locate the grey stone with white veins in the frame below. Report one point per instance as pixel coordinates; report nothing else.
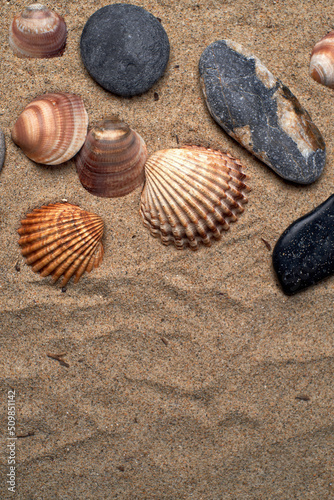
(261, 113)
(2, 149)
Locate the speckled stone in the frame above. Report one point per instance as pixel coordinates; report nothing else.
(2, 149)
(261, 113)
(124, 48)
(304, 254)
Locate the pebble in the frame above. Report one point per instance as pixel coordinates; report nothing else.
(304, 254)
(124, 48)
(2, 149)
(261, 113)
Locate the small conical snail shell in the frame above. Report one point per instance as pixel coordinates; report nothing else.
(52, 128)
(191, 194)
(111, 162)
(38, 32)
(322, 61)
(62, 239)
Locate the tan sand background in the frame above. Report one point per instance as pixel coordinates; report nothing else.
(184, 368)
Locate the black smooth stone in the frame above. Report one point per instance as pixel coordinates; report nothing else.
(261, 113)
(304, 254)
(2, 149)
(124, 48)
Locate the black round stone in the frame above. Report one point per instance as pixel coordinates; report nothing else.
(2, 149)
(124, 48)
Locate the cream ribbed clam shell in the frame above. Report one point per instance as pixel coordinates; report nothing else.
(38, 32)
(52, 128)
(191, 195)
(62, 239)
(322, 61)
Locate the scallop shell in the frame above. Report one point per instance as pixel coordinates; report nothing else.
(62, 239)
(52, 128)
(191, 195)
(322, 61)
(38, 33)
(111, 162)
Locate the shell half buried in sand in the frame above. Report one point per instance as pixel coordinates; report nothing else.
(61, 240)
(191, 195)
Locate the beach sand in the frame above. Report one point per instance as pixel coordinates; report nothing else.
(190, 374)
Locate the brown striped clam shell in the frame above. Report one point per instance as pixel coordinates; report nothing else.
(62, 240)
(52, 128)
(111, 162)
(191, 195)
(38, 32)
(322, 61)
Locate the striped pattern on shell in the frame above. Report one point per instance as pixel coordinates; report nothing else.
(61, 240)
(111, 161)
(52, 128)
(38, 33)
(322, 61)
(191, 195)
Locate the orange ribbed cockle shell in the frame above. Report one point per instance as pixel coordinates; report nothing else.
(61, 240)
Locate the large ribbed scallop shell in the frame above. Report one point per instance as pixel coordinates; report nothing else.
(38, 33)
(62, 239)
(111, 162)
(322, 61)
(191, 194)
(52, 128)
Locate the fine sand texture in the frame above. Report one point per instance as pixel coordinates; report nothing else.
(186, 375)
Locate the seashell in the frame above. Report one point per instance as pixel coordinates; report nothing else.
(191, 195)
(52, 128)
(322, 61)
(38, 33)
(111, 162)
(62, 239)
